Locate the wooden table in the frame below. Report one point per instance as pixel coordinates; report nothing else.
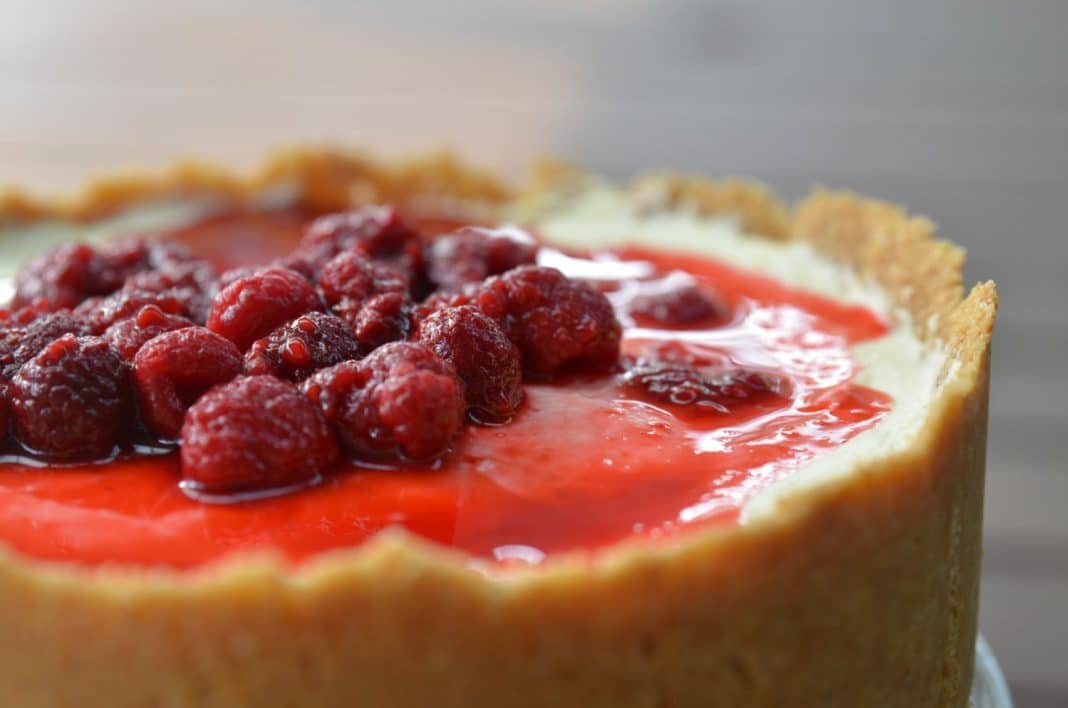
(959, 110)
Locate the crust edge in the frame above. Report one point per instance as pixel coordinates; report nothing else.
(328, 179)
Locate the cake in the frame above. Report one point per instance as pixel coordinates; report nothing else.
(729, 453)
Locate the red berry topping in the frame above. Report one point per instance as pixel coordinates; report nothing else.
(474, 253)
(254, 433)
(310, 259)
(235, 274)
(553, 320)
(20, 344)
(187, 276)
(351, 278)
(101, 313)
(377, 232)
(250, 307)
(62, 277)
(483, 356)
(381, 319)
(307, 262)
(167, 255)
(3, 413)
(674, 375)
(174, 369)
(189, 282)
(65, 276)
(678, 304)
(129, 335)
(293, 351)
(73, 399)
(443, 299)
(402, 402)
(195, 303)
(21, 316)
(115, 262)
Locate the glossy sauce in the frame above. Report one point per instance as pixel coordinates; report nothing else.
(586, 462)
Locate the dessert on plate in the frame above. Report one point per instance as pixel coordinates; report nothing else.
(343, 432)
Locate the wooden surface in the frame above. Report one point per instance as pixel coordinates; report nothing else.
(958, 109)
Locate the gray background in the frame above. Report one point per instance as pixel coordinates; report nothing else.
(957, 109)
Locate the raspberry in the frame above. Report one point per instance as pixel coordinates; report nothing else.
(474, 253)
(73, 399)
(443, 299)
(190, 282)
(250, 307)
(377, 232)
(20, 344)
(67, 275)
(672, 375)
(158, 281)
(685, 304)
(129, 335)
(306, 261)
(553, 320)
(145, 262)
(101, 313)
(3, 413)
(62, 277)
(295, 350)
(117, 261)
(254, 433)
(484, 358)
(167, 255)
(351, 277)
(22, 316)
(174, 369)
(235, 274)
(402, 403)
(380, 319)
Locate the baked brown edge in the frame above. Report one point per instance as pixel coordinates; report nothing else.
(878, 610)
(327, 178)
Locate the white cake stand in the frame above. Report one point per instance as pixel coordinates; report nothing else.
(989, 688)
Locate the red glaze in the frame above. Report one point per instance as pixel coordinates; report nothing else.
(581, 466)
(247, 237)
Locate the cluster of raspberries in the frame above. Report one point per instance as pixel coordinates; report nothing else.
(369, 340)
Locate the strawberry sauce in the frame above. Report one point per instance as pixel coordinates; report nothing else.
(587, 462)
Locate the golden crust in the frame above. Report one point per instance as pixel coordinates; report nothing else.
(327, 179)
(860, 592)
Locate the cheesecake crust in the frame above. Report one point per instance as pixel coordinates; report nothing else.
(860, 591)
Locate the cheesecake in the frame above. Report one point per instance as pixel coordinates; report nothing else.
(346, 432)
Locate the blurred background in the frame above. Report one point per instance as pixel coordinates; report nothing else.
(957, 109)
